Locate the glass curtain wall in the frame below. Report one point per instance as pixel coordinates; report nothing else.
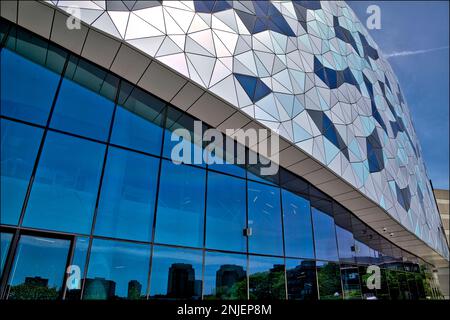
(87, 182)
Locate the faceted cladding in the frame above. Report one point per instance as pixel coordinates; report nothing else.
(307, 70)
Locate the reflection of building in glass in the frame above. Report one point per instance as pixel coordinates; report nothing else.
(182, 283)
(228, 275)
(99, 288)
(36, 281)
(134, 289)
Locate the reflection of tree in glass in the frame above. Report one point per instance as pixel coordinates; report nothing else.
(329, 282)
(268, 284)
(34, 288)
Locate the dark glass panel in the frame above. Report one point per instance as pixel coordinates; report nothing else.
(301, 279)
(413, 289)
(266, 278)
(324, 236)
(138, 121)
(38, 270)
(127, 198)
(297, 226)
(291, 182)
(85, 101)
(74, 281)
(5, 241)
(403, 285)
(194, 146)
(181, 203)
(255, 170)
(367, 294)
(350, 282)
(383, 292)
(19, 147)
(176, 273)
(346, 243)
(36, 49)
(394, 288)
(226, 213)
(225, 276)
(264, 218)
(329, 279)
(27, 89)
(65, 188)
(30, 72)
(117, 270)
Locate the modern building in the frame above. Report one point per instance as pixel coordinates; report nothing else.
(92, 93)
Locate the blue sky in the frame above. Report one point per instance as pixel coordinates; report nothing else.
(418, 33)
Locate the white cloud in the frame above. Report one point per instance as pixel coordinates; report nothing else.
(410, 53)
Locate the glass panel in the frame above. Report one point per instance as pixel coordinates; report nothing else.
(138, 121)
(74, 282)
(225, 276)
(324, 236)
(264, 218)
(346, 243)
(301, 279)
(117, 270)
(383, 292)
(36, 49)
(39, 268)
(225, 213)
(85, 101)
(329, 280)
(5, 241)
(367, 294)
(254, 171)
(27, 88)
(19, 147)
(181, 203)
(266, 278)
(297, 226)
(176, 273)
(178, 120)
(237, 167)
(350, 282)
(65, 187)
(127, 199)
(403, 285)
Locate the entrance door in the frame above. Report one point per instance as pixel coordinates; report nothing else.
(38, 269)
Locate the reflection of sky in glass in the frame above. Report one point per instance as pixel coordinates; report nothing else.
(225, 213)
(19, 147)
(264, 217)
(324, 236)
(179, 218)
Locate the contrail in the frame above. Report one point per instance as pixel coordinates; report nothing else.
(410, 53)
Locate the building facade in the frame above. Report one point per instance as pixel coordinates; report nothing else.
(93, 207)
(442, 200)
